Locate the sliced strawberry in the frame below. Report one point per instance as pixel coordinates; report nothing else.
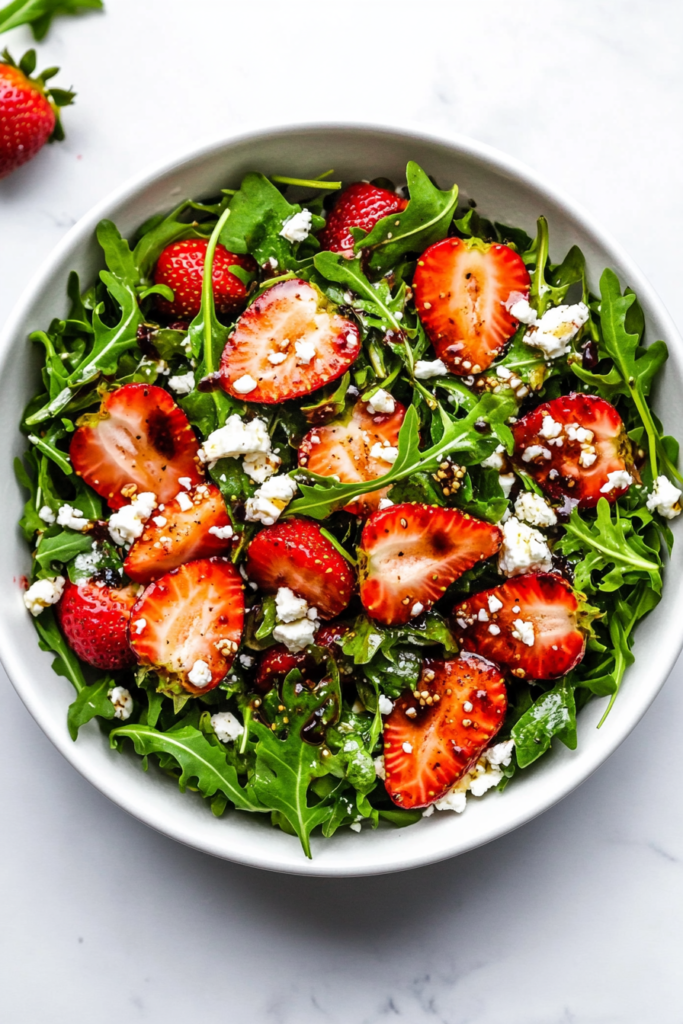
(296, 554)
(188, 624)
(195, 524)
(531, 624)
(429, 743)
(181, 267)
(277, 661)
(342, 448)
(139, 440)
(94, 620)
(360, 205)
(288, 343)
(461, 288)
(571, 445)
(409, 554)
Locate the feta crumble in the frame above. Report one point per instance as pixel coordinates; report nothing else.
(522, 311)
(270, 499)
(665, 498)
(184, 500)
(226, 727)
(381, 402)
(128, 523)
(236, 438)
(534, 509)
(243, 385)
(550, 428)
(47, 515)
(386, 706)
(200, 674)
(407, 748)
(494, 604)
(425, 369)
(182, 383)
(385, 503)
(533, 452)
(259, 466)
(524, 631)
(380, 770)
(277, 357)
(138, 626)
(288, 606)
(507, 482)
(523, 549)
(616, 480)
(305, 352)
(122, 701)
(73, 518)
(555, 330)
(222, 532)
(298, 227)
(384, 451)
(43, 593)
(295, 635)
(496, 459)
(484, 775)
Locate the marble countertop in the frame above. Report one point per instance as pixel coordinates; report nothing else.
(573, 919)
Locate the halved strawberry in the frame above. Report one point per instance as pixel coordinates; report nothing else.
(361, 205)
(343, 448)
(430, 742)
(572, 446)
(296, 554)
(181, 267)
(531, 624)
(94, 619)
(277, 661)
(409, 554)
(188, 624)
(290, 342)
(194, 524)
(461, 290)
(139, 440)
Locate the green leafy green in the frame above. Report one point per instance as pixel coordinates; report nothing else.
(39, 13)
(333, 266)
(51, 639)
(553, 714)
(91, 702)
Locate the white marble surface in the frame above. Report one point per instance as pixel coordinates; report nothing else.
(574, 919)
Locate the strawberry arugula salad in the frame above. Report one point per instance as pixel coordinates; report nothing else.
(343, 501)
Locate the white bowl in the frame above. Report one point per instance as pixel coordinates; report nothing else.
(504, 190)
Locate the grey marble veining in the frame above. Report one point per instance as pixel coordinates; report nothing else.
(574, 919)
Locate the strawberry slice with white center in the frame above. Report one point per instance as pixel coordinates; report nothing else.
(344, 448)
(430, 742)
(140, 439)
(576, 446)
(188, 624)
(277, 662)
(532, 624)
(296, 554)
(463, 288)
(194, 524)
(290, 341)
(410, 553)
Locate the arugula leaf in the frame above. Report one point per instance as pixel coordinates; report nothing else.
(61, 547)
(425, 220)
(66, 663)
(460, 437)
(39, 13)
(286, 766)
(91, 702)
(30, 521)
(198, 759)
(609, 543)
(335, 267)
(367, 638)
(553, 714)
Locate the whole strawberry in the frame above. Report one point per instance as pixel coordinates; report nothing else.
(29, 111)
(94, 619)
(181, 267)
(359, 206)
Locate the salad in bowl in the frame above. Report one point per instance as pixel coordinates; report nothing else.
(343, 499)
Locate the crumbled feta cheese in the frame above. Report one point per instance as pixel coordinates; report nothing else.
(128, 523)
(355, 826)
(381, 402)
(222, 532)
(288, 606)
(550, 427)
(494, 630)
(226, 727)
(616, 480)
(484, 775)
(159, 520)
(555, 330)
(384, 451)
(270, 499)
(298, 227)
(73, 518)
(122, 701)
(665, 498)
(184, 500)
(494, 604)
(417, 609)
(186, 482)
(43, 593)
(587, 458)
(259, 466)
(183, 383)
(522, 311)
(386, 706)
(236, 438)
(483, 615)
(523, 549)
(277, 357)
(524, 631)
(534, 509)
(305, 352)
(425, 369)
(138, 626)
(200, 674)
(407, 748)
(533, 451)
(507, 482)
(295, 635)
(577, 433)
(380, 771)
(503, 372)
(385, 503)
(243, 385)
(452, 801)
(47, 515)
(495, 459)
